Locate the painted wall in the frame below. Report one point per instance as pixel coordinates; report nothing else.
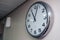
(18, 30)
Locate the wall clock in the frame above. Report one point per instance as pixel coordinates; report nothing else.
(39, 19)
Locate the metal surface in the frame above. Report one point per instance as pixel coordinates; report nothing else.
(50, 18)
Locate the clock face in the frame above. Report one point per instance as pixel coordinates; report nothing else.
(36, 19)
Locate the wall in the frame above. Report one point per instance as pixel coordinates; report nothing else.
(18, 30)
(7, 6)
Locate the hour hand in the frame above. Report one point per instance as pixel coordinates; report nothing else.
(33, 16)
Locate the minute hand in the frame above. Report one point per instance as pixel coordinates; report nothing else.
(36, 11)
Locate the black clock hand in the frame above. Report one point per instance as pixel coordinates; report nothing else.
(33, 16)
(36, 10)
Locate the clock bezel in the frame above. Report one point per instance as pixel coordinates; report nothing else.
(50, 20)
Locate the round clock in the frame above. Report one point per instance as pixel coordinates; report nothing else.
(39, 19)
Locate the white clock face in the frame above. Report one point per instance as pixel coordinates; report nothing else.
(36, 19)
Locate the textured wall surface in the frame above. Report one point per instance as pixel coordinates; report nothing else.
(18, 29)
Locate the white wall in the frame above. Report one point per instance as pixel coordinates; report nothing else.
(18, 29)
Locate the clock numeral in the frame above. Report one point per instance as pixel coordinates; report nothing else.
(31, 29)
(35, 32)
(29, 15)
(28, 26)
(39, 30)
(36, 7)
(43, 10)
(45, 17)
(27, 20)
(43, 24)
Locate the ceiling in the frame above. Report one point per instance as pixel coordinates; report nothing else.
(7, 6)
